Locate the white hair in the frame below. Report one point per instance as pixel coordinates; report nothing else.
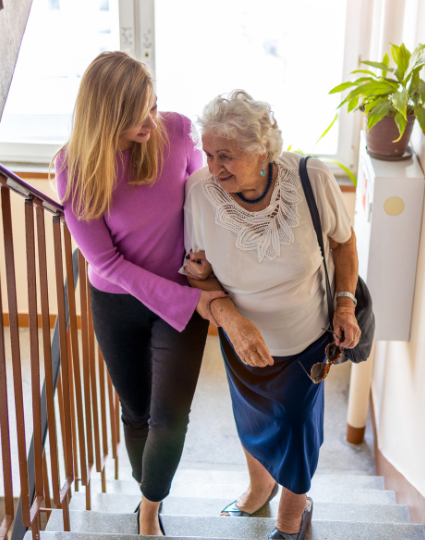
(251, 123)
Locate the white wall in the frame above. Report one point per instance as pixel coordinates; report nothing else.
(13, 20)
(398, 385)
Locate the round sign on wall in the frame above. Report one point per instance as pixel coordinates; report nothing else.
(394, 206)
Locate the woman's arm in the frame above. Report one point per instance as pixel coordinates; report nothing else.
(346, 276)
(173, 302)
(243, 334)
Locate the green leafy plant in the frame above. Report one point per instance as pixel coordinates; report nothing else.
(398, 91)
(328, 160)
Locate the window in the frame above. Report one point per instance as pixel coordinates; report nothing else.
(289, 53)
(61, 39)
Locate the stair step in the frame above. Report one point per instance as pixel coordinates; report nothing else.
(46, 535)
(179, 506)
(240, 528)
(328, 493)
(193, 476)
(127, 502)
(220, 484)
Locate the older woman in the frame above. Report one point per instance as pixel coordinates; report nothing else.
(248, 213)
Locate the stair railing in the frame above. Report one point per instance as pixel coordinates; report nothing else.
(80, 381)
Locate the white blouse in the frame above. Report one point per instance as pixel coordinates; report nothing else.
(269, 261)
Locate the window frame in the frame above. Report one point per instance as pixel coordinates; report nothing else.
(137, 37)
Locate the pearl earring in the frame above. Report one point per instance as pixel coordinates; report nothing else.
(263, 172)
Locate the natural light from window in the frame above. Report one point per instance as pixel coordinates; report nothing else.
(61, 39)
(287, 52)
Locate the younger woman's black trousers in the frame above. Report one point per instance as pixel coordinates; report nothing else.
(154, 369)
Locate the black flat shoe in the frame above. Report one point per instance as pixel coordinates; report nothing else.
(306, 520)
(161, 525)
(234, 511)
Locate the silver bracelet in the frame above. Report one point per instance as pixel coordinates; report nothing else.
(348, 295)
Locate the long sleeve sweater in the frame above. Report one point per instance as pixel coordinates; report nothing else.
(138, 247)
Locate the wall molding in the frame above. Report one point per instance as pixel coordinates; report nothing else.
(394, 480)
(23, 322)
(28, 175)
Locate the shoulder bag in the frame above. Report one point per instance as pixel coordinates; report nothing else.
(364, 312)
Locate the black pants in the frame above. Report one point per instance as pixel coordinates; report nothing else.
(154, 369)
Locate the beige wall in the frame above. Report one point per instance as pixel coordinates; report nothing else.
(18, 225)
(398, 384)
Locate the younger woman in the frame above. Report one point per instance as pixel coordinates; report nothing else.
(121, 178)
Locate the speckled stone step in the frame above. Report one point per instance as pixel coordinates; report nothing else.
(185, 506)
(96, 536)
(241, 528)
(199, 477)
(126, 503)
(218, 484)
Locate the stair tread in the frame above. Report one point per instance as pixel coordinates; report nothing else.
(329, 493)
(186, 477)
(48, 535)
(231, 528)
(177, 506)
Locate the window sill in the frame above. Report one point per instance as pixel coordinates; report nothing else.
(40, 171)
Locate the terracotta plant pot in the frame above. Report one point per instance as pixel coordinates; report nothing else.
(380, 138)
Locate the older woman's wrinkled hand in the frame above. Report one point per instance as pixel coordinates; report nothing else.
(248, 342)
(347, 331)
(197, 266)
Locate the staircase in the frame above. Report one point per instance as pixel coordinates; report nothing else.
(345, 507)
(349, 501)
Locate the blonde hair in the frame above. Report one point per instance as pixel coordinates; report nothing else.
(116, 91)
(251, 123)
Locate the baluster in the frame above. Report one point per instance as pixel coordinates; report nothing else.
(47, 499)
(75, 355)
(103, 413)
(113, 424)
(48, 374)
(73, 417)
(67, 429)
(92, 360)
(16, 353)
(9, 509)
(34, 353)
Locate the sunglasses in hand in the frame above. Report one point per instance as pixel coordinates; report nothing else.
(320, 370)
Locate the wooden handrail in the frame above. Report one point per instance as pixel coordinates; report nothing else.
(16, 184)
(83, 423)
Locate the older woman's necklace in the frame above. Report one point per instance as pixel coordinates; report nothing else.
(269, 183)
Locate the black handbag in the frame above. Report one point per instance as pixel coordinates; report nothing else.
(364, 312)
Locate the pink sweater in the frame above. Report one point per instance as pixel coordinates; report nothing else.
(139, 247)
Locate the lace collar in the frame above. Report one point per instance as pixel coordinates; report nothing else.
(267, 229)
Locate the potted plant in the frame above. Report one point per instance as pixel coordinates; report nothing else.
(391, 100)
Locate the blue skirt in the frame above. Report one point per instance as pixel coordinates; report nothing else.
(279, 412)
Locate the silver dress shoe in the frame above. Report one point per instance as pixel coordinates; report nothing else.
(306, 520)
(234, 511)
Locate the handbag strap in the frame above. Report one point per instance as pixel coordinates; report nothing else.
(315, 217)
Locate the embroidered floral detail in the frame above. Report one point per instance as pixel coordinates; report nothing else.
(266, 230)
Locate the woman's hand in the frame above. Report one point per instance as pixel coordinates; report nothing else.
(346, 276)
(197, 267)
(248, 342)
(345, 325)
(203, 307)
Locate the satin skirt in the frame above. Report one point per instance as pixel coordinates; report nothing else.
(279, 412)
